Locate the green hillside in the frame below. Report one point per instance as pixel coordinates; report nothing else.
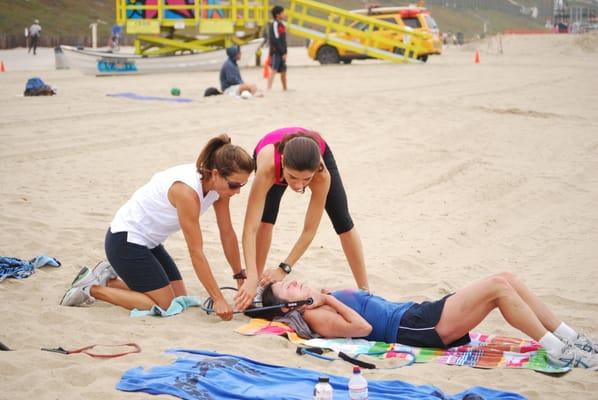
(67, 21)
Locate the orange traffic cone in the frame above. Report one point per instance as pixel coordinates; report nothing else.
(477, 57)
(2, 69)
(266, 71)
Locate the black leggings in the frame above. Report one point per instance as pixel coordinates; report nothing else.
(141, 268)
(337, 207)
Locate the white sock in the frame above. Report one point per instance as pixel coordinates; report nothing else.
(551, 343)
(565, 331)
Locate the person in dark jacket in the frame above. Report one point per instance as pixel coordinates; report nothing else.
(230, 76)
(277, 38)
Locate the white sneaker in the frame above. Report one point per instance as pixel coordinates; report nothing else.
(77, 296)
(104, 272)
(585, 343)
(573, 356)
(85, 277)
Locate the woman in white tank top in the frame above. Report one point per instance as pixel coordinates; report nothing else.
(172, 200)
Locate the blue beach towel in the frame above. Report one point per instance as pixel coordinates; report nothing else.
(135, 96)
(177, 306)
(11, 267)
(200, 374)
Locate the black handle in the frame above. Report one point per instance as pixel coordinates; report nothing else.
(290, 304)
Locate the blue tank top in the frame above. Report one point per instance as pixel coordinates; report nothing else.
(384, 316)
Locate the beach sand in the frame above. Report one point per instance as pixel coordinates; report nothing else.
(454, 171)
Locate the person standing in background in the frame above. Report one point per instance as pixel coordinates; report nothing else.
(34, 32)
(277, 38)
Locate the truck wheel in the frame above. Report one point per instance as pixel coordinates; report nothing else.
(328, 55)
(423, 58)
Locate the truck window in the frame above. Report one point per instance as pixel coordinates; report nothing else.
(431, 23)
(412, 22)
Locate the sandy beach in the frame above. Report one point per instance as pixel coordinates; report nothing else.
(454, 171)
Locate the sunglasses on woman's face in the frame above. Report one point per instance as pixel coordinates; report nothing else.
(232, 185)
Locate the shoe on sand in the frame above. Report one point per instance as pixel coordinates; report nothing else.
(573, 356)
(585, 343)
(85, 277)
(77, 296)
(104, 272)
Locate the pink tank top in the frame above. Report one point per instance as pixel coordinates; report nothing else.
(276, 136)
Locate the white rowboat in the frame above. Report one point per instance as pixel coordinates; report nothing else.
(99, 63)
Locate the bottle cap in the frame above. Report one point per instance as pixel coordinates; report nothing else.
(356, 370)
(323, 379)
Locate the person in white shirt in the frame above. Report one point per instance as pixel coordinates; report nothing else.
(172, 200)
(34, 33)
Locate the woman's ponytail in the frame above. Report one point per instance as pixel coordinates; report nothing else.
(223, 156)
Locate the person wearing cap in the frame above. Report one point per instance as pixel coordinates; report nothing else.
(231, 82)
(34, 32)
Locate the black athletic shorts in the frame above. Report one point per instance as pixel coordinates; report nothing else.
(278, 64)
(418, 326)
(337, 206)
(141, 268)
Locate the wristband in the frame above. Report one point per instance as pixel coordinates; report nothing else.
(285, 267)
(240, 275)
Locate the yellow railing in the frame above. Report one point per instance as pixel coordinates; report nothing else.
(239, 12)
(354, 32)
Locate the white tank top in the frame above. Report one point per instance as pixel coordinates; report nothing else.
(148, 217)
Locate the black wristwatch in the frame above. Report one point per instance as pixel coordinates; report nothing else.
(285, 267)
(240, 275)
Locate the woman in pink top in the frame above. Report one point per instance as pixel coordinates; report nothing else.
(297, 158)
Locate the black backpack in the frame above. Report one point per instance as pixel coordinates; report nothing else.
(211, 91)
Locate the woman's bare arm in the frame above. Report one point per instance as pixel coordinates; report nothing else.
(335, 319)
(187, 204)
(264, 178)
(228, 236)
(319, 191)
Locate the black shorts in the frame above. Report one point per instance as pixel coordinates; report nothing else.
(418, 326)
(141, 268)
(278, 64)
(337, 206)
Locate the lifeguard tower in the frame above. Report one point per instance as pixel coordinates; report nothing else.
(177, 26)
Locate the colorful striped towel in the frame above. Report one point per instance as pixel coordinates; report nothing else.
(484, 351)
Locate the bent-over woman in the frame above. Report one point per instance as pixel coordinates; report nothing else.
(300, 159)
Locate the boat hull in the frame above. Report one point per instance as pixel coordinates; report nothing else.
(101, 63)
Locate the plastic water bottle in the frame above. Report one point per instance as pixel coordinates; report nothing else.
(358, 386)
(323, 390)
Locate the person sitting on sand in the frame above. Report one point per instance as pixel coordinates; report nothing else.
(443, 323)
(230, 76)
(173, 200)
(300, 159)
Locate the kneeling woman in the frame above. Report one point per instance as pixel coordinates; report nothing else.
(172, 200)
(443, 323)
